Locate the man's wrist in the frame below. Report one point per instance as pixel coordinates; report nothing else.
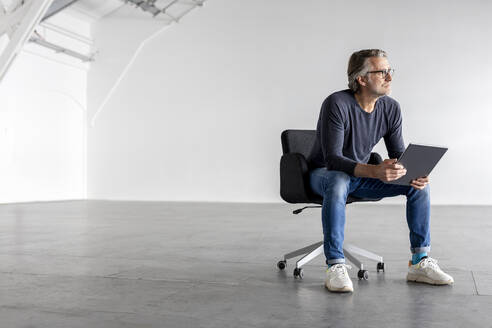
(364, 170)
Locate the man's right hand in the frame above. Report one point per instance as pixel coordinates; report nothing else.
(389, 170)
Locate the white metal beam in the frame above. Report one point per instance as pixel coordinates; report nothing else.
(20, 34)
(60, 49)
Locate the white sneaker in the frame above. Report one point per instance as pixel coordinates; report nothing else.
(428, 271)
(337, 278)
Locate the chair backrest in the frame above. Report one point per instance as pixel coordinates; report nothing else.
(298, 141)
(294, 187)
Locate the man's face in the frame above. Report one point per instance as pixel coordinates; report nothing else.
(378, 83)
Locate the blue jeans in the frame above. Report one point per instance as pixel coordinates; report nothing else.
(335, 186)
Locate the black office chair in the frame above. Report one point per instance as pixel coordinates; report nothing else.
(294, 189)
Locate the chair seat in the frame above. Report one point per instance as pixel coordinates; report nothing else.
(350, 199)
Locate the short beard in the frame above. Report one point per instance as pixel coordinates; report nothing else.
(379, 94)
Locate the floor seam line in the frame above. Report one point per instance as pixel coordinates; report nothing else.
(474, 283)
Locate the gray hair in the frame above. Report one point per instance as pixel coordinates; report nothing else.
(358, 66)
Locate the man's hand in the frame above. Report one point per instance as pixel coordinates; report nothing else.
(420, 183)
(389, 170)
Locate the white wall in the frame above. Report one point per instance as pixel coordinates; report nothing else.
(42, 127)
(199, 115)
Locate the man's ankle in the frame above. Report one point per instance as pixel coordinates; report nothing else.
(417, 257)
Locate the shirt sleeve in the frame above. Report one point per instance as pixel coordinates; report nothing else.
(393, 138)
(332, 136)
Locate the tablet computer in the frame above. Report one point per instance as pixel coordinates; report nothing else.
(419, 160)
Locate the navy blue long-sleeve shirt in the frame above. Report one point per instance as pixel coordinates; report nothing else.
(346, 134)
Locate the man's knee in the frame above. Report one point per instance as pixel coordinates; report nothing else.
(337, 184)
(421, 193)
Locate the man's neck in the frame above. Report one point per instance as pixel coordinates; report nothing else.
(366, 101)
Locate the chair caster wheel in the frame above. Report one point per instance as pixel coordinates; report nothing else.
(380, 267)
(298, 273)
(363, 274)
(281, 264)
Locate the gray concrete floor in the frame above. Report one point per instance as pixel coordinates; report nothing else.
(162, 264)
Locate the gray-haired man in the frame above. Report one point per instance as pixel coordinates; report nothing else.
(350, 124)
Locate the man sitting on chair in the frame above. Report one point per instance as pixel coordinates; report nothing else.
(351, 123)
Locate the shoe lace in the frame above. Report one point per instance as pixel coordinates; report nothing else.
(430, 263)
(341, 268)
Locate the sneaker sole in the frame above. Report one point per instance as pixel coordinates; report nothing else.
(345, 289)
(419, 278)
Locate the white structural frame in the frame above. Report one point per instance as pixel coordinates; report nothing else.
(59, 49)
(19, 26)
(150, 7)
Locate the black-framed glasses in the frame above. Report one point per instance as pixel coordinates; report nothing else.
(384, 72)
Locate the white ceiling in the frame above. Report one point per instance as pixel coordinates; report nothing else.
(96, 9)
